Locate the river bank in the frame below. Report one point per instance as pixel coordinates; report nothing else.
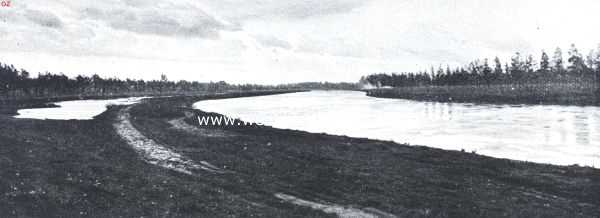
(546, 94)
(89, 168)
(11, 106)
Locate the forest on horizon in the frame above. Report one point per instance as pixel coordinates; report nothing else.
(19, 84)
(551, 69)
(520, 71)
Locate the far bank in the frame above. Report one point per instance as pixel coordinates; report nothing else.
(544, 94)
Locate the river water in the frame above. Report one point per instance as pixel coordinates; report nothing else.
(561, 135)
(77, 110)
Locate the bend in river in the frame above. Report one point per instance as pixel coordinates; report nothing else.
(539, 133)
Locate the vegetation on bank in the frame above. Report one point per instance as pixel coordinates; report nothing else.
(496, 94)
(523, 80)
(519, 72)
(18, 85)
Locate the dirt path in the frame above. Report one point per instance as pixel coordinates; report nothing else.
(340, 211)
(159, 155)
(154, 153)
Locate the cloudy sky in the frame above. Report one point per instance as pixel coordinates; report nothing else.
(281, 41)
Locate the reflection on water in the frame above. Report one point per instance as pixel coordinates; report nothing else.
(547, 134)
(581, 127)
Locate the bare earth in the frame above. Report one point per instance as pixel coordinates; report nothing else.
(153, 160)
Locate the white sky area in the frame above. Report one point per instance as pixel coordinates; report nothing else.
(282, 41)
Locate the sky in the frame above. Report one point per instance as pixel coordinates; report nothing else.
(282, 41)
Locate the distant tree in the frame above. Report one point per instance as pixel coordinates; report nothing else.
(23, 82)
(487, 72)
(576, 61)
(473, 73)
(529, 68)
(589, 60)
(82, 83)
(497, 73)
(507, 75)
(544, 63)
(517, 68)
(448, 75)
(497, 66)
(557, 61)
(597, 74)
(162, 85)
(24, 74)
(439, 76)
(15, 84)
(597, 60)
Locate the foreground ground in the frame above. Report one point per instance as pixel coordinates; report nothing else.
(154, 160)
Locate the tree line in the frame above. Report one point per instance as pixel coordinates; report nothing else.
(520, 71)
(18, 84)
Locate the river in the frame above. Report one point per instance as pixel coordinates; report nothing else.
(560, 135)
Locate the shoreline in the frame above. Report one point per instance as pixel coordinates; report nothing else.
(10, 107)
(85, 167)
(503, 95)
(460, 163)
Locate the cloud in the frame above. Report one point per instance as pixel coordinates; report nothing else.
(44, 18)
(243, 10)
(311, 8)
(164, 20)
(270, 41)
(138, 3)
(279, 39)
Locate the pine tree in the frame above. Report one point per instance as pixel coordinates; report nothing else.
(557, 61)
(589, 60)
(439, 75)
(487, 72)
(529, 64)
(529, 68)
(576, 62)
(497, 70)
(544, 62)
(597, 74)
(589, 63)
(507, 75)
(516, 68)
(597, 60)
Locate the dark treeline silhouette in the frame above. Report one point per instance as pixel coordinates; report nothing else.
(15, 84)
(18, 84)
(521, 71)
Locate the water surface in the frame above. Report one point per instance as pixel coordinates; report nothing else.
(78, 109)
(546, 134)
